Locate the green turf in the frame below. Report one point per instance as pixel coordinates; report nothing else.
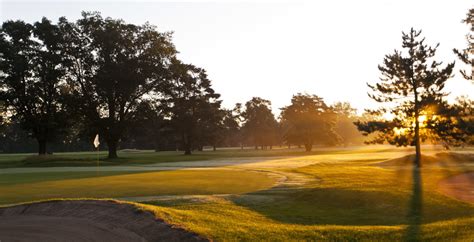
(329, 195)
(91, 158)
(180, 182)
(67, 159)
(28, 178)
(348, 201)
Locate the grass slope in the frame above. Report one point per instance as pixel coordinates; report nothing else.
(345, 201)
(347, 195)
(180, 182)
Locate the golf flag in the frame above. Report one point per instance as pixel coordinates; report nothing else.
(96, 141)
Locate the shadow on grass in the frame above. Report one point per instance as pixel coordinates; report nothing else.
(415, 208)
(388, 202)
(312, 206)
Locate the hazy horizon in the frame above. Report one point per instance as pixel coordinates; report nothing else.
(275, 50)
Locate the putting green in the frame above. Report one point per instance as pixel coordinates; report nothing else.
(178, 182)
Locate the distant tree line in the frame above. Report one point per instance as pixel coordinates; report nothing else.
(62, 83)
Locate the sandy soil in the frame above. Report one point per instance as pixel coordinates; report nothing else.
(460, 187)
(85, 220)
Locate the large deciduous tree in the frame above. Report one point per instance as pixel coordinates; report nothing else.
(309, 121)
(193, 104)
(345, 128)
(114, 67)
(230, 133)
(32, 71)
(411, 86)
(259, 122)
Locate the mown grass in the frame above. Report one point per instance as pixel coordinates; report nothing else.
(180, 182)
(140, 157)
(91, 159)
(34, 177)
(346, 201)
(349, 195)
(222, 220)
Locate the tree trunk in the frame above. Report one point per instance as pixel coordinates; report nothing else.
(417, 141)
(417, 130)
(41, 147)
(256, 147)
(187, 144)
(112, 146)
(214, 148)
(308, 147)
(187, 150)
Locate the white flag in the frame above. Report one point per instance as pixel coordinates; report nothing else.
(96, 141)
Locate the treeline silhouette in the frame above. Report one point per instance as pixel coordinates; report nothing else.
(64, 82)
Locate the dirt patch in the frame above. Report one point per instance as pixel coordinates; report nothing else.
(86, 220)
(460, 187)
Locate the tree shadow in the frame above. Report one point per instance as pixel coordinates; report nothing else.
(327, 206)
(415, 208)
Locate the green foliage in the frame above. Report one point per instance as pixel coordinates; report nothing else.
(32, 72)
(344, 127)
(414, 83)
(259, 123)
(114, 66)
(194, 106)
(467, 55)
(309, 121)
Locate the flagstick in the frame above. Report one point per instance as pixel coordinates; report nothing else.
(96, 145)
(97, 151)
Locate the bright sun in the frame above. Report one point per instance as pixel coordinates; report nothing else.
(422, 119)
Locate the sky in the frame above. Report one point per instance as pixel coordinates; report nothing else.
(275, 49)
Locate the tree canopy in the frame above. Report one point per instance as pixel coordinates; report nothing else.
(259, 122)
(413, 82)
(32, 75)
(310, 121)
(194, 105)
(467, 55)
(62, 83)
(114, 67)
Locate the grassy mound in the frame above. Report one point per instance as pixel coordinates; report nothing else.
(440, 159)
(409, 161)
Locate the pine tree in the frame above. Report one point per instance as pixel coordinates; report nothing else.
(467, 55)
(413, 83)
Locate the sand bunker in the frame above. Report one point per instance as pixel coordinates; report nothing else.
(460, 187)
(85, 220)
